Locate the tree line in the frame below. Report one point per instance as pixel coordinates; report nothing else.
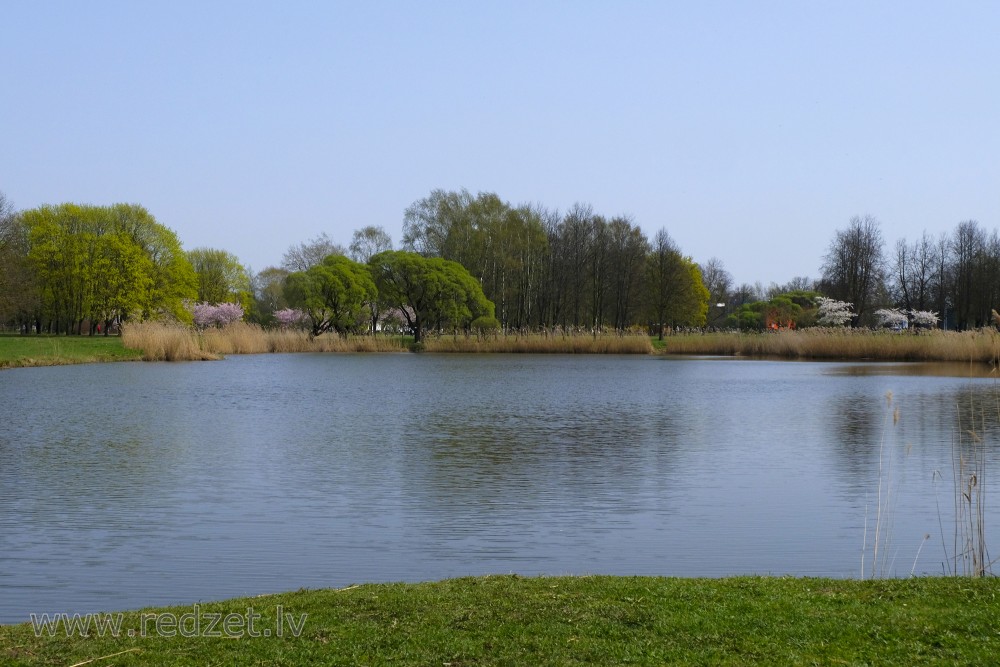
(65, 266)
(955, 275)
(69, 267)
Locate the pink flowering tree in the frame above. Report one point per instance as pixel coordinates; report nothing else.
(216, 314)
(289, 317)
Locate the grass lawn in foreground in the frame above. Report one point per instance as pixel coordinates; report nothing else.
(44, 350)
(509, 620)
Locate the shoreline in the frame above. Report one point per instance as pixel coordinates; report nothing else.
(156, 342)
(510, 619)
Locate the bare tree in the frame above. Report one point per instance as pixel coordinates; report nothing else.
(429, 224)
(310, 253)
(628, 250)
(799, 284)
(745, 293)
(853, 270)
(719, 283)
(577, 231)
(7, 231)
(967, 248)
(914, 272)
(368, 241)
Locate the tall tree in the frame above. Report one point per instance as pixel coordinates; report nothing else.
(577, 232)
(675, 292)
(269, 293)
(854, 264)
(718, 282)
(368, 241)
(915, 270)
(173, 280)
(627, 249)
(19, 296)
(502, 246)
(310, 253)
(430, 224)
(221, 277)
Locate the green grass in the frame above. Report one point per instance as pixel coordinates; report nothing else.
(16, 351)
(510, 620)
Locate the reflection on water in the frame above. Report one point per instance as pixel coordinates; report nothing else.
(125, 485)
(918, 369)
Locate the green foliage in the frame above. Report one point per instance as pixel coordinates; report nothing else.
(334, 294)
(173, 278)
(269, 294)
(676, 294)
(221, 277)
(505, 248)
(429, 291)
(485, 324)
(795, 309)
(101, 264)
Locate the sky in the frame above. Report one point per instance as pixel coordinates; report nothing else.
(750, 131)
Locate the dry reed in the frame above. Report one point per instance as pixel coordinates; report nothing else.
(969, 551)
(824, 343)
(161, 341)
(174, 342)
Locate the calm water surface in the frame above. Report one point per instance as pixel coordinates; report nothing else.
(129, 485)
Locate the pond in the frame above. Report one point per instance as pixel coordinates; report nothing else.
(137, 484)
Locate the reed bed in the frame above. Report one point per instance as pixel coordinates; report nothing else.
(161, 341)
(982, 346)
(175, 342)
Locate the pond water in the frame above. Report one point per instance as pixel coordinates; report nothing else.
(137, 484)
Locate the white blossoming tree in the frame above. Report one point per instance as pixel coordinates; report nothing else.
(833, 313)
(892, 318)
(924, 318)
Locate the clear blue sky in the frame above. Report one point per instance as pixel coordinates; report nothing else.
(749, 130)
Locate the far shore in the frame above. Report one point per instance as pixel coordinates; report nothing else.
(153, 341)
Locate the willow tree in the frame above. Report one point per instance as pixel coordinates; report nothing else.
(429, 291)
(335, 294)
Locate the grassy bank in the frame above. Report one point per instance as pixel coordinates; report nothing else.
(583, 620)
(17, 351)
(967, 346)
